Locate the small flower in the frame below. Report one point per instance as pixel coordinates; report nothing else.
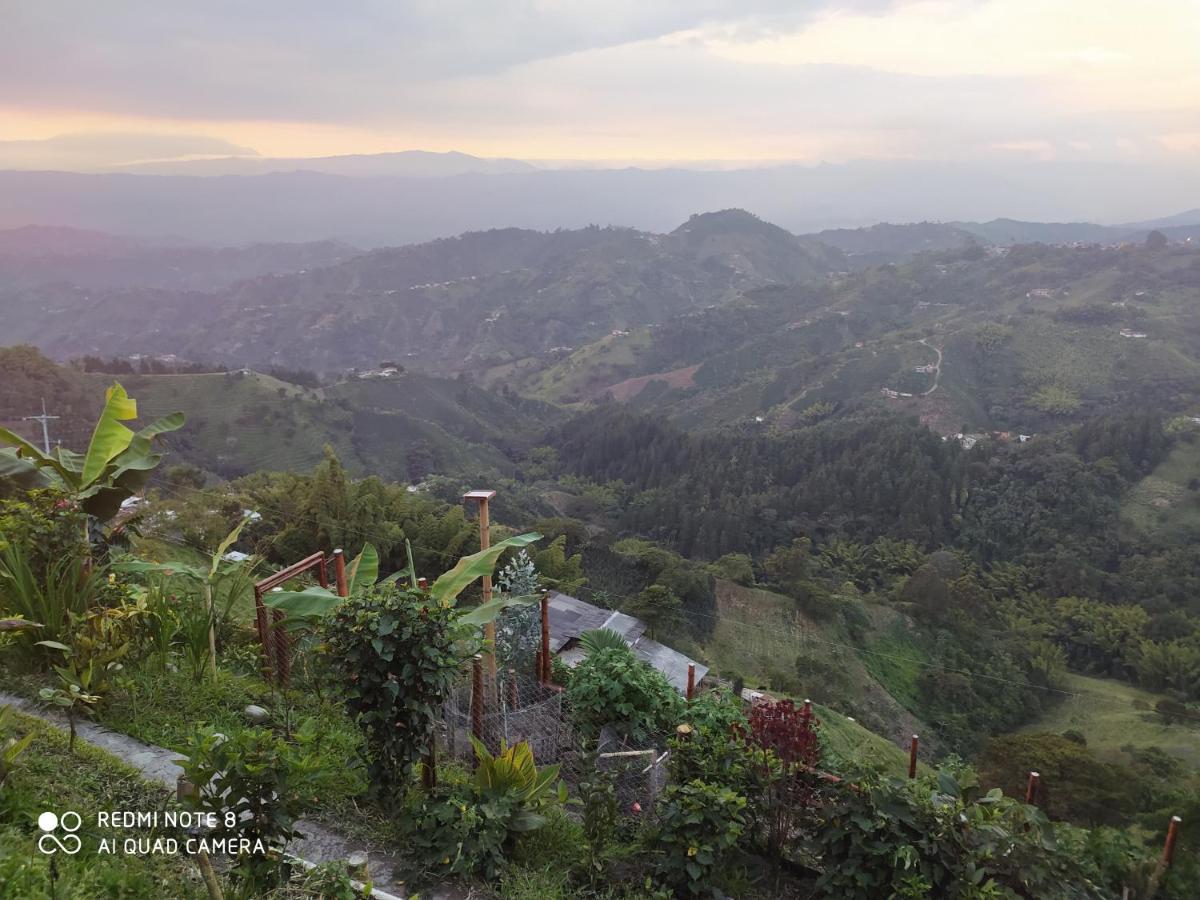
(635, 807)
(692, 851)
(112, 578)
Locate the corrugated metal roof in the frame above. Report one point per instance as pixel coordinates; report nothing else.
(571, 617)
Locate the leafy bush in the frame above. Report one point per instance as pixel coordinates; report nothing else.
(713, 748)
(612, 687)
(467, 827)
(698, 825)
(264, 780)
(395, 652)
(903, 838)
(44, 522)
(786, 750)
(1076, 786)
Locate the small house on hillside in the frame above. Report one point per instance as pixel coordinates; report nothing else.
(570, 617)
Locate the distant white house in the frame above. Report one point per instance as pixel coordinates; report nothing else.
(1130, 333)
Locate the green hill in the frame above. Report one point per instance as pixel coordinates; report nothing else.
(400, 427)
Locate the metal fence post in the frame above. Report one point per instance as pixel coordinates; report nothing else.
(545, 673)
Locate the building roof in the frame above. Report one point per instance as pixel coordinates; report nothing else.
(570, 617)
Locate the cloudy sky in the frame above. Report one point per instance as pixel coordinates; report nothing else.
(613, 80)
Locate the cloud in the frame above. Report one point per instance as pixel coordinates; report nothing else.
(740, 79)
(95, 151)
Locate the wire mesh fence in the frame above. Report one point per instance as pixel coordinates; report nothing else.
(512, 709)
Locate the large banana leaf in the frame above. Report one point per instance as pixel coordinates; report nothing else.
(110, 438)
(301, 606)
(447, 588)
(487, 613)
(230, 540)
(364, 570)
(21, 471)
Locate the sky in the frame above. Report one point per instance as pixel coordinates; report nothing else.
(601, 80)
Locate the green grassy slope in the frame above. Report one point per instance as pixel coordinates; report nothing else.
(1113, 715)
(1163, 506)
(761, 636)
(240, 423)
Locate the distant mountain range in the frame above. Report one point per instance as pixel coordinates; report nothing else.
(404, 164)
(38, 255)
(485, 297)
(392, 199)
(725, 320)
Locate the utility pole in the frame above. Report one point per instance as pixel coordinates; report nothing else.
(43, 418)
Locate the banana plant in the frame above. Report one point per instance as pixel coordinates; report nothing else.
(205, 579)
(303, 607)
(512, 775)
(116, 465)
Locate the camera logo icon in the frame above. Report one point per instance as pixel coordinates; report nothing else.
(49, 823)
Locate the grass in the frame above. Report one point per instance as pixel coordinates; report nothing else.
(896, 661)
(611, 359)
(1161, 506)
(759, 636)
(165, 708)
(1103, 711)
(97, 782)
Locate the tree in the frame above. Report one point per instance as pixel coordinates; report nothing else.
(1156, 240)
(659, 607)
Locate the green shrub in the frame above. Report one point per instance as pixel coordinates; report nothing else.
(612, 687)
(698, 825)
(257, 784)
(468, 827)
(923, 838)
(395, 652)
(44, 522)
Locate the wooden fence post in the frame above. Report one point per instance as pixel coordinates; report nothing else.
(539, 668)
(1168, 853)
(512, 689)
(1031, 788)
(477, 697)
(429, 773)
(339, 572)
(912, 757)
(691, 682)
(422, 584)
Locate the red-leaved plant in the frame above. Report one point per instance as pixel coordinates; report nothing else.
(786, 737)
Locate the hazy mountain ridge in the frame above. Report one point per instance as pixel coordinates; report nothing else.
(390, 210)
(39, 255)
(485, 297)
